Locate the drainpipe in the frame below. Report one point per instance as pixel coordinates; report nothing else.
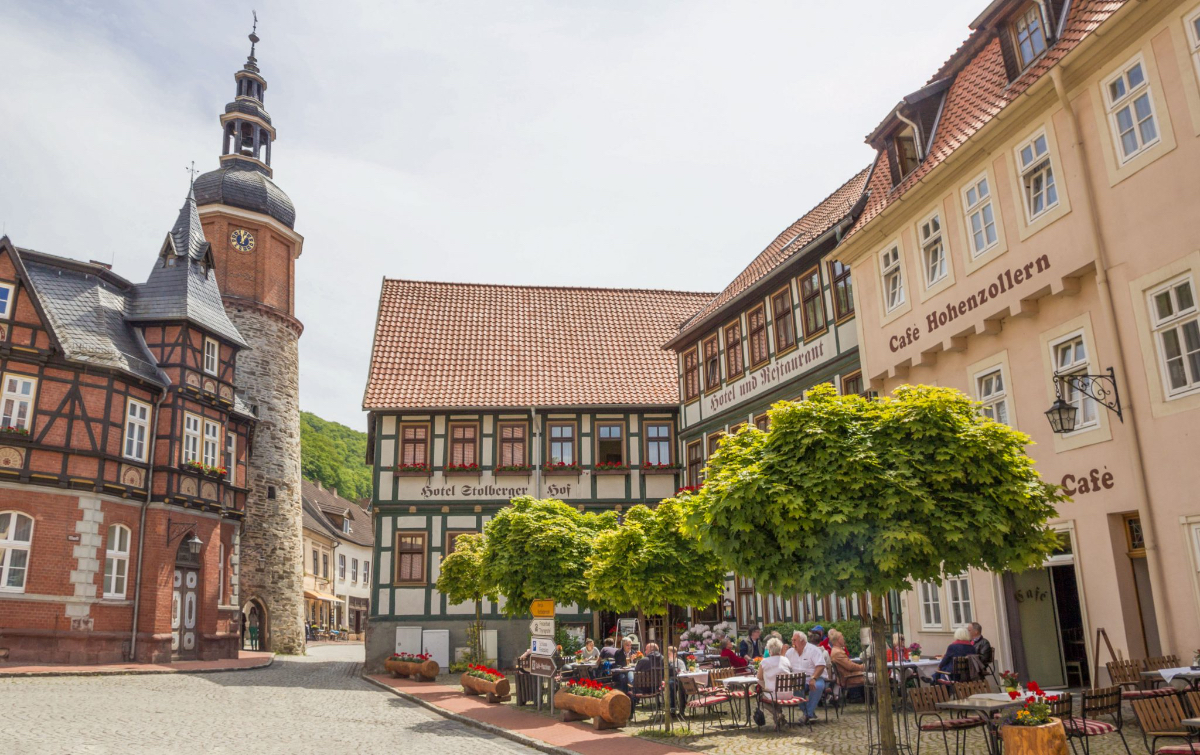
(137, 585)
(1146, 512)
(536, 452)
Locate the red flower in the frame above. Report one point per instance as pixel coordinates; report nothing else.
(1013, 694)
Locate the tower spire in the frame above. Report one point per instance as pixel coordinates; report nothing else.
(251, 61)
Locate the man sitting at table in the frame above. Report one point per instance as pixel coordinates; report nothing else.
(809, 660)
(590, 652)
(752, 646)
(850, 674)
(982, 647)
(727, 651)
(609, 651)
(960, 648)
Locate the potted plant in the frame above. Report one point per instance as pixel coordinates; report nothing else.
(403, 665)
(1031, 730)
(14, 430)
(411, 470)
(610, 467)
(1009, 680)
(586, 698)
(481, 680)
(914, 651)
(561, 468)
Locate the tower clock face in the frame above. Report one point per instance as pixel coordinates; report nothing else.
(242, 240)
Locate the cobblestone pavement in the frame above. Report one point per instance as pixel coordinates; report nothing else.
(315, 704)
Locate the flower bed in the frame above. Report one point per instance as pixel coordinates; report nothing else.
(402, 665)
(608, 708)
(481, 680)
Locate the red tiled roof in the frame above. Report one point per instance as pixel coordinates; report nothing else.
(828, 212)
(980, 91)
(474, 345)
(325, 501)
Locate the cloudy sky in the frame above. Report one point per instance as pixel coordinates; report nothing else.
(602, 143)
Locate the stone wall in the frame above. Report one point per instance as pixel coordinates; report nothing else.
(270, 555)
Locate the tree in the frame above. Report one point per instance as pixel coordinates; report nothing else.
(537, 549)
(335, 456)
(461, 579)
(843, 494)
(648, 563)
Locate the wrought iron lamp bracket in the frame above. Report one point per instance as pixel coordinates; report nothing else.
(185, 527)
(1100, 388)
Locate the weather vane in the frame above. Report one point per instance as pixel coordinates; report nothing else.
(191, 169)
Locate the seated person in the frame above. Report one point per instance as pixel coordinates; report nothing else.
(752, 646)
(773, 664)
(898, 652)
(960, 648)
(823, 639)
(727, 651)
(590, 652)
(609, 651)
(850, 674)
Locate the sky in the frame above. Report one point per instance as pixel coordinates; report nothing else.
(654, 144)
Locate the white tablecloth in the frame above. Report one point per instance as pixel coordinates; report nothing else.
(1170, 673)
(740, 680)
(699, 676)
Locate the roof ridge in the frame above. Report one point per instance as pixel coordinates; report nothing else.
(549, 287)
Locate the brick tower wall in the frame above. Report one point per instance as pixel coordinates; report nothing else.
(271, 557)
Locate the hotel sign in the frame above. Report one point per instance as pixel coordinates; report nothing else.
(766, 377)
(460, 491)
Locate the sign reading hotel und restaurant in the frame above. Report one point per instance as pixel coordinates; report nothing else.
(542, 609)
(541, 666)
(543, 646)
(542, 627)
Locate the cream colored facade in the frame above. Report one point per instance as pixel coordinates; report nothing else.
(1091, 267)
(319, 573)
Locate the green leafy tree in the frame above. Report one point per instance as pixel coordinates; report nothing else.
(335, 456)
(844, 495)
(538, 549)
(461, 579)
(648, 563)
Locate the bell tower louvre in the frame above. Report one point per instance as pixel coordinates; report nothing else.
(249, 221)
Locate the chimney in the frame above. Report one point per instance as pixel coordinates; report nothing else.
(319, 485)
(333, 490)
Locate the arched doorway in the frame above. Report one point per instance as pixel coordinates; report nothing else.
(185, 603)
(255, 626)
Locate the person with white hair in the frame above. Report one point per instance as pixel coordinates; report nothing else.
(808, 659)
(960, 648)
(772, 666)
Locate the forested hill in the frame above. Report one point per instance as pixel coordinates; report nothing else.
(333, 454)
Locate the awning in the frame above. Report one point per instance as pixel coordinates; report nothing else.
(315, 595)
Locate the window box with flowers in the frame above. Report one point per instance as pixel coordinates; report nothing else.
(660, 468)
(586, 698)
(610, 467)
(11, 433)
(513, 470)
(462, 470)
(408, 664)
(208, 470)
(411, 470)
(561, 468)
(688, 489)
(481, 680)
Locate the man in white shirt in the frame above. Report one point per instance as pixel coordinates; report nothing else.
(808, 659)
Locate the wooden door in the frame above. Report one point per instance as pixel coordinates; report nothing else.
(185, 613)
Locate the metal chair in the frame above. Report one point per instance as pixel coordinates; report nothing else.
(647, 686)
(697, 699)
(1161, 717)
(924, 701)
(1096, 703)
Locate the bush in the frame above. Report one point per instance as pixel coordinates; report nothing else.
(849, 628)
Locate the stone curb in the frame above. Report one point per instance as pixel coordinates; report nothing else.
(131, 672)
(530, 742)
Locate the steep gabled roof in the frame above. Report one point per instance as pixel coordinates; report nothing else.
(323, 501)
(443, 345)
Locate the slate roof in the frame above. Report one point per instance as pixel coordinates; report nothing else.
(245, 184)
(980, 91)
(473, 345)
(85, 307)
(313, 519)
(183, 285)
(812, 225)
(321, 500)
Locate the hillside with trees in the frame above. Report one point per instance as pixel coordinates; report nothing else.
(333, 454)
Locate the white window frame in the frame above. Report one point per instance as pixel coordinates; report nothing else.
(931, 234)
(1087, 416)
(1033, 165)
(891, 264)
(994, 398)
(230, 455)
(342, 566)
(6, 304)
(354, 570)
(1115, 105)
(1175, 323)
(930, 597)
(958, 591)
(1191, 24)
(983, 206)
(10, 415)
(367, 572)
(116, 562)
(212, 355)
(191, 437)
(137, 430)
(211, 450)
(9, 546)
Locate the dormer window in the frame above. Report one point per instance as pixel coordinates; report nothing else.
(907, 156)
(346, 526)
(1030, 34)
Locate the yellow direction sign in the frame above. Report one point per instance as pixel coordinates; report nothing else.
(542, 609)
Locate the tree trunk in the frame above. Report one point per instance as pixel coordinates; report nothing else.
(883, 687)
(478, 649)
(669, 698)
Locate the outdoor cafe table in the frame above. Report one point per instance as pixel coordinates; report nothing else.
(744, 682)
(1183, 672)
(916, 666)
(701, 677)
(1191, 722)
(985, 705)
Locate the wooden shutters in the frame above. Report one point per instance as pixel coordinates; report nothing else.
(695, 462)
(691, 374)
(757, 319)
(410, 558)
(812, 303)
(712, 364)
(733, 350)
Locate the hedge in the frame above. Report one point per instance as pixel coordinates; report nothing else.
(849, 628)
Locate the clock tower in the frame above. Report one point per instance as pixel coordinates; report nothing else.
(249, 221)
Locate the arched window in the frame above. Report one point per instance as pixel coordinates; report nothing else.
(16, 535)
(116, 562)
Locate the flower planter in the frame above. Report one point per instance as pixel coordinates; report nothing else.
(611, 471)
(496, 692)
(462, 473)
(561, 472)
(657, 470)
(1047, 739)
(426, 671)
(608, 712)
(512, 473)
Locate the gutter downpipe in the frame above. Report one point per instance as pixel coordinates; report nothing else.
(141, 548)
(536, 453)
(1104, 287)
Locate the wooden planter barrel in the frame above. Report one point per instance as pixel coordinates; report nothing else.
(496, 692)
(608, 712)
(1047, 739)
(426, 671)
